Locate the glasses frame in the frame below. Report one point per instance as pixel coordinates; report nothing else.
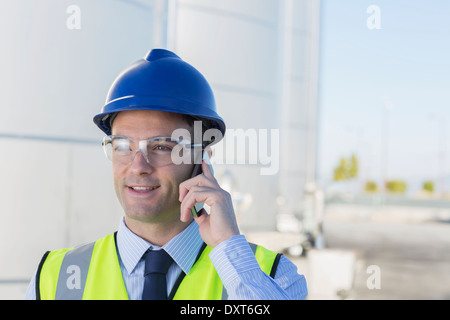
(143, 145)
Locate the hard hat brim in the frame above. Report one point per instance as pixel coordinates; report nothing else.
(161, 103)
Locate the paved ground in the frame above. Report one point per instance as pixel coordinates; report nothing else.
(414, 259)
(410, 246)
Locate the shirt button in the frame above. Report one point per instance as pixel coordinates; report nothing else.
(233, 255)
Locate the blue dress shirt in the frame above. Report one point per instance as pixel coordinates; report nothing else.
(233, 259)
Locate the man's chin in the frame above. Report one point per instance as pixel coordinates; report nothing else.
(152, 214)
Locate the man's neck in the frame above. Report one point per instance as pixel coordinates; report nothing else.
(157, 234)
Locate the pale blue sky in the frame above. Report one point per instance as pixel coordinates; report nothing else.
(406, 64)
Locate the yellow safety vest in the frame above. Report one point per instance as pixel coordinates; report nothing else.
(92, 272)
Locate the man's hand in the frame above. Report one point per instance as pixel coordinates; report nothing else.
(220, 224)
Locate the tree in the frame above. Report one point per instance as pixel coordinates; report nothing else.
(347, 169)
(340, 172)
(353, 167)
(371, 186)
(428, 186)
(396, 186)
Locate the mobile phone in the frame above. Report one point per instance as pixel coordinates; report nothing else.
(198, 170)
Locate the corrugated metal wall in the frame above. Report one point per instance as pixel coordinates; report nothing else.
(261, 57)
(56, 186)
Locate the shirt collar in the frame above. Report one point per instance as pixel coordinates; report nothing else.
(183, 248)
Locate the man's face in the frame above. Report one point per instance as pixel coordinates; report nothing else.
(146, 193)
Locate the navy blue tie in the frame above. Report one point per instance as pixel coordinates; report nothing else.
(157, 263)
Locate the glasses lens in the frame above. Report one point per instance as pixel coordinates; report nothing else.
(117, 148)
(107, 147)
(159, 151)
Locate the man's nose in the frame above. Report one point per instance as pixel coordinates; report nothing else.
(140, 164)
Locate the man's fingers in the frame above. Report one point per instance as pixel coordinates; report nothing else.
(201, 180)
(194, 195)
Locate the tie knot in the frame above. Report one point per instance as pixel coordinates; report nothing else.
(157, 261)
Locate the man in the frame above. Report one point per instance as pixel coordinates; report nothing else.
(162, 251)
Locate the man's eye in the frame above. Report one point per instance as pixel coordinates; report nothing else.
(121, 147)
(161, 147)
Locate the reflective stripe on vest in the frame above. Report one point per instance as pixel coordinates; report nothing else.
(93, 272)
(88, 272)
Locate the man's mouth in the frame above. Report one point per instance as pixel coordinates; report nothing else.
(142, 189)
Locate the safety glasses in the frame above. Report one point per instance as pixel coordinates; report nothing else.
(158, 151)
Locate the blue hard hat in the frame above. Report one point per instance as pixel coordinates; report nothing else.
(160, 81)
